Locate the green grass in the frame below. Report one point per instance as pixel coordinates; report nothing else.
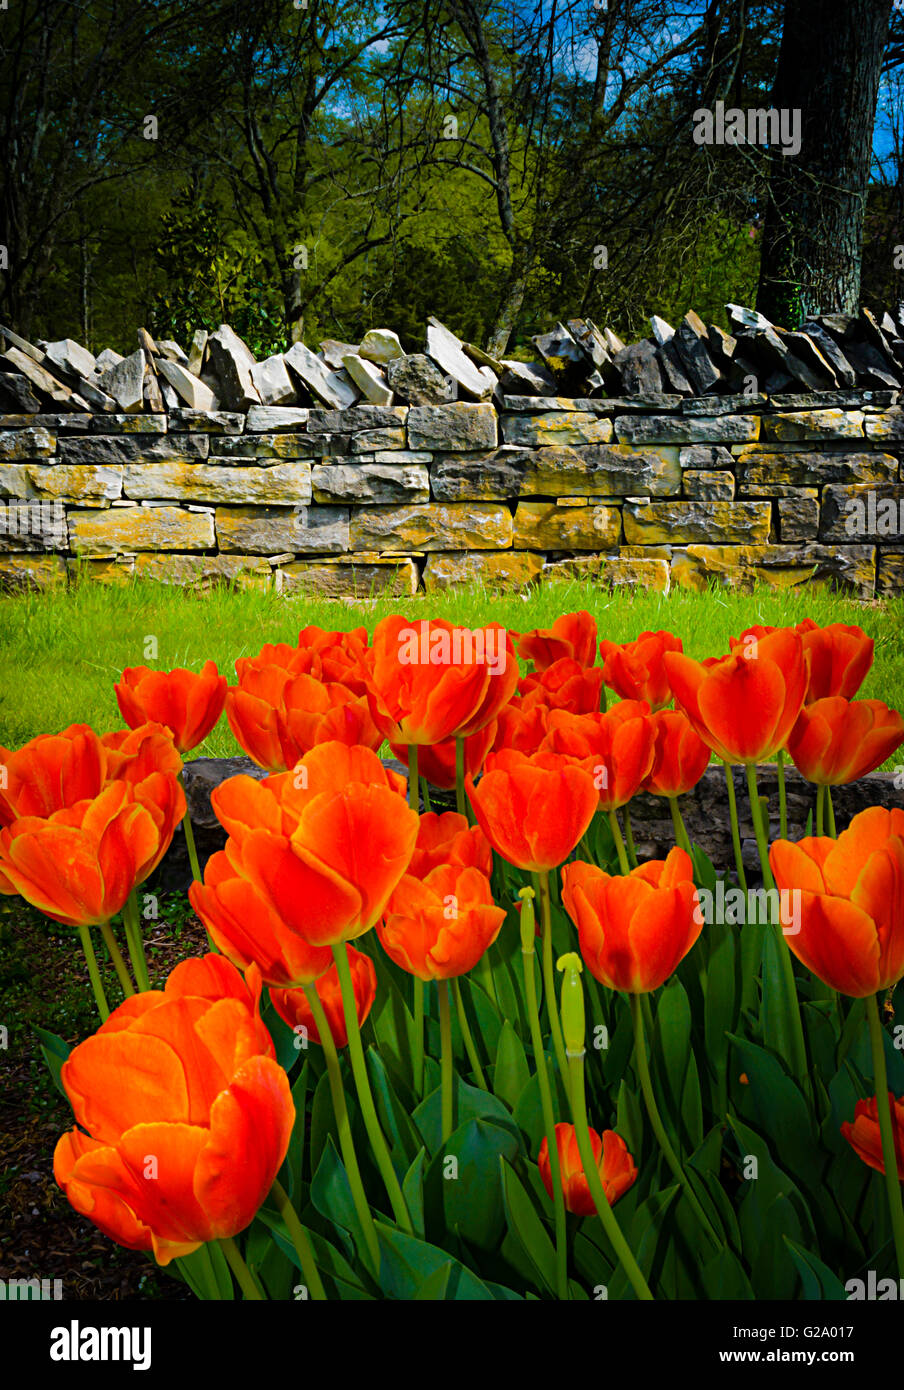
(61, 652)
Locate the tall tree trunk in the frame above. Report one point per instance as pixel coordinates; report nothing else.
(828, 68)
(511, 301)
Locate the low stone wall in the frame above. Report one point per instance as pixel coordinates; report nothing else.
(649, 490)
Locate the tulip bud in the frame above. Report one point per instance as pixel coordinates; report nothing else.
(573, 1023)
(528, 928)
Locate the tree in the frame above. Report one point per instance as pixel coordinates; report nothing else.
(90, 96)
(829, 66)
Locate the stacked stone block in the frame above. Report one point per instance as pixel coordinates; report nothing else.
(656, 490)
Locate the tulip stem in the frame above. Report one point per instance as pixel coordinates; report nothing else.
(447, 1075)
(462, 804)
(244, 1278)
(886, 1130)
(594, 1181)
(791, 1001)
(119, 964)
(831, 810)
(782, 793)
(549, 1123)
(132, 923)
(417, 1060)
(299, 1237)
(97, 984)
(190, 838)
(365, 1095)
(467, 1035)
(623, 864)
(346, 1140)
(629, 839)
(735, 832)
(541, 885)
(646, 1086)
(820, 813)
(413, 798)
(682, 839)
(461, 801)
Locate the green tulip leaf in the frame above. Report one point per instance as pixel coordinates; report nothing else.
(511, 1072)
(527, 1228)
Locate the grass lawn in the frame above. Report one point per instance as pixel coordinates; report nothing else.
(60, 653)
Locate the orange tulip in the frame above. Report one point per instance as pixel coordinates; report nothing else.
(244, 926)
(573, 635)
(184, 1115)
(252, 710)
(315, 712)
(851, 902)
(430, 681)
(448, 839)
(342, 655)
(615, 747)
(535, 809)
(636, 671)
(322, 846)
(188, 704)
(436, 761)
(438, 927)
(864, 1137)
(522, 729)
(278, 714)
(134, 754)
(280, 656)
(836, 740)
(838, 656)
(680, 757)
(634, 929)
(79, 865)
(563, 685)
(743, 706)
(51, 772)
(617, 1168)
(293, 1007)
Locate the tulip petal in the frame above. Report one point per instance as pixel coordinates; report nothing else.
(250, 1127)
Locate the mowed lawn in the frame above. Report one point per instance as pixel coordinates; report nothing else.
(60, 653)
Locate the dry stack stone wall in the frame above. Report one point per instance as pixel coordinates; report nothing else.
(649, 487)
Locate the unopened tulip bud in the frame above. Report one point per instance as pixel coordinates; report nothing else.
(573, 1022)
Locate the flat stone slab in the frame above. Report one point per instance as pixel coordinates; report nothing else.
(682, 429)
(370, 482)
(432, 526)
(262, 419)
(275, 530)
(593, 471)
(139, 528)
(114, 448)
(26, 444)
(201, 482)
(682, 522)
(546, 526)
(556, 427)
(456, 427)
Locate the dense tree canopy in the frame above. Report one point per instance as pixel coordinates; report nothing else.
(315, 167)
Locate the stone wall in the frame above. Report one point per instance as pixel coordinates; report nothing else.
(652, 490)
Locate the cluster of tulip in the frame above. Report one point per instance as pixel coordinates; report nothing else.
(184, 1116)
